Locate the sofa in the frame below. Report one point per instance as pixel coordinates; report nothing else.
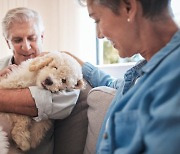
(78, 133)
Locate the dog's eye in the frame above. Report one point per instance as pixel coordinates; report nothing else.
(63, 80)
(55, 67)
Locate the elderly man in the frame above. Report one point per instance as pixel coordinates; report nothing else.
(23, 30)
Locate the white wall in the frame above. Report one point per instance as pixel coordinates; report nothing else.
(67, 24)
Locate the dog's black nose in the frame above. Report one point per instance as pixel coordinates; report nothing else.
(48, 81)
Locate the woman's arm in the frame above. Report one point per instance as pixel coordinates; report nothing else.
(95, 76)
(78, 59)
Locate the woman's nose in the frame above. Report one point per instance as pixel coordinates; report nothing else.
(98, 33)
(26, 45)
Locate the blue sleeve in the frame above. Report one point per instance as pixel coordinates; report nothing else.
(97, 78)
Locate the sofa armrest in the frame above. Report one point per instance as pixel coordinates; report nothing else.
(98, 100)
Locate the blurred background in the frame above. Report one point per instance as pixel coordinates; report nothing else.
(68, 27)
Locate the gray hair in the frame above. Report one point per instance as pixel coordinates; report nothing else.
(20, 15)
(151, 8)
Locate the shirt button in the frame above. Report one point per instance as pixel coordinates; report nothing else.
(105, 136)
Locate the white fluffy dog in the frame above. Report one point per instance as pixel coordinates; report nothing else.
(54, 72)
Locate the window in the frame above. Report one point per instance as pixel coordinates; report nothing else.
(176, 11)
(106, 54)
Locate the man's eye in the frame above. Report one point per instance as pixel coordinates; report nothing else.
(17, 40)
(32, 38)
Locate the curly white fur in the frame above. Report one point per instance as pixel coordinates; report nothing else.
(54, 72)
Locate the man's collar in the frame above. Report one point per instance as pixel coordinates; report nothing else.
(12, 60)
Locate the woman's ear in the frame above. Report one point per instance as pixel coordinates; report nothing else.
(131, 9)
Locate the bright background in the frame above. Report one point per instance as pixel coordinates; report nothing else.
(67, 24)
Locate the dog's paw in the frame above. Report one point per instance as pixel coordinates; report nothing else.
(38, 131)
(22, 140)
(24, 146)
(22, 143)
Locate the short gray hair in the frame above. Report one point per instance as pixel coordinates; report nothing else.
(151, 8)
(20, 15)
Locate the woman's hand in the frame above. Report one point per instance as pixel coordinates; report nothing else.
(78, 60)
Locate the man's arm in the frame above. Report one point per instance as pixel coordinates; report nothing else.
(54, 105)
(17, 101)
(36, 102)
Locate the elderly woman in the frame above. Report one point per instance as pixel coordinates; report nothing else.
(144, 117)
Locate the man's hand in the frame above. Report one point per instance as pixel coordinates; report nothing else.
(7, 70)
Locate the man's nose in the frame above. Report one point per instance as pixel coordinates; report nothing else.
(26, 45)
(98, 33)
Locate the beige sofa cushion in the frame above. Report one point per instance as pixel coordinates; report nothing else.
(98, 100)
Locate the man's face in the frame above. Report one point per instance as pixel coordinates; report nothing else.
(25, 40)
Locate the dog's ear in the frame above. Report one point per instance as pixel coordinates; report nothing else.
(53, 63)
(39, 63)
(80, 85)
